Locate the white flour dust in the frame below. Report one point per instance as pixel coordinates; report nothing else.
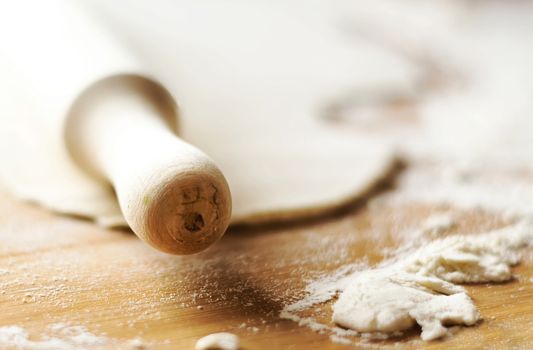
(62, 337)
(417, 284)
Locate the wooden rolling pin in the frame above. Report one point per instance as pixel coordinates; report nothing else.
(171, 194)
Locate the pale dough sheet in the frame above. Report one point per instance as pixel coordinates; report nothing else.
(251, 81)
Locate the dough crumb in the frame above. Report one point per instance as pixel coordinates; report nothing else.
(218, 341)
(137, 344)
(388, 300)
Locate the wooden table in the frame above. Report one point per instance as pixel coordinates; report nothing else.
(60, 269)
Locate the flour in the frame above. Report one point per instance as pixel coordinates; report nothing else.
(416, 286)
(73, 337)
(437, 224)
(470, 187)
(61, 337)
(388, 300)
(218, 341)
(471, 259)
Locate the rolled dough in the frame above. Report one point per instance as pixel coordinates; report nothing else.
(251, 81)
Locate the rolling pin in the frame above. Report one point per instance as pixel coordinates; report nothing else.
(87, 130)
(171, 194)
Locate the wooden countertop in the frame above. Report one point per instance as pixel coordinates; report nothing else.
(60, 269)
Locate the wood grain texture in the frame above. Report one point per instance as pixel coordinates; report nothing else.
(59, 269)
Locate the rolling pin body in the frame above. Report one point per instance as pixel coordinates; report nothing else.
(171, 194)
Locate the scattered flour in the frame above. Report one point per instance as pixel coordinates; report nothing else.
(505, 193)
(61, 337)
(416, 287)
(471, 259)
(340, 340)
(437, 224)
(218, 341)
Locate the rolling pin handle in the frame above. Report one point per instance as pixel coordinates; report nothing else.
(172, 195)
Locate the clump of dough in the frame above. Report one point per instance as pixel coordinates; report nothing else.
(417, 287)
(388, 300)
(218, 341)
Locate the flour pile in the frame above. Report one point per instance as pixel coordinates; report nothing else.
(417, 287)
(389, 300)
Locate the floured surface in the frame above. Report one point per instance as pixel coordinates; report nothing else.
(464, 139)
(418, 285)
(59, 270)
(61, 337)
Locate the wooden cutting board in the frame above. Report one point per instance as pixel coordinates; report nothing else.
(60, 269)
